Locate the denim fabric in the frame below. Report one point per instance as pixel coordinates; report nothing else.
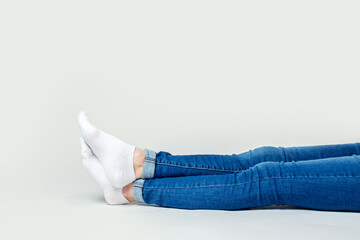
(325, 177)
(137, 190)
(149, 165)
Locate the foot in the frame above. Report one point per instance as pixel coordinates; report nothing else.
(115, 155)
(112, 194)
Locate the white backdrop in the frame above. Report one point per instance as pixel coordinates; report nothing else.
(179, 76)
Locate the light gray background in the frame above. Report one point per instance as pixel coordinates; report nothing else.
(180, 76)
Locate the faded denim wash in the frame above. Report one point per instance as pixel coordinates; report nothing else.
(324, 177)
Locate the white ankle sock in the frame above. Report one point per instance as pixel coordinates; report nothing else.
(115, 155)
(112, 195)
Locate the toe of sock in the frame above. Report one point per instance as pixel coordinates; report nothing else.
(88, 130)
(83, 119)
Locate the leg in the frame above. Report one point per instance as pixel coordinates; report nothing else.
(325, 184)
(319, 151)
(164, 164)
(123, 163)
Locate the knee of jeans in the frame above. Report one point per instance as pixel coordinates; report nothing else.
(267, 169)
(268, 153)
(266, 149)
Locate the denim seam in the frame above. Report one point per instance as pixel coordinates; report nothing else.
(200, 168)
(151, 161)
(247, 182)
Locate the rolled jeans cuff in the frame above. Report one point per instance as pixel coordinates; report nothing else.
(149, 164)
(137, 190)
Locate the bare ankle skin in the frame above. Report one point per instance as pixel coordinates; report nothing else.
(139, 159)
(128, 192)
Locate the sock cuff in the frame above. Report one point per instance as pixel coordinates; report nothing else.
(131, 163)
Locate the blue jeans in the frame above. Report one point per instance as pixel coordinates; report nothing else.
(324, 177)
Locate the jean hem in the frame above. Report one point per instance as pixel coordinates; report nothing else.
(137, 190)
(149, 164)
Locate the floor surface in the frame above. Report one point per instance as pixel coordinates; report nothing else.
(89, 217)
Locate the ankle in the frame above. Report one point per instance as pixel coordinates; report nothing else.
(139, 159)
(128, 192)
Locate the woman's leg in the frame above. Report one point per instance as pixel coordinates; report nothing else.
(121, 167)
(325, 184)
(164, 164)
